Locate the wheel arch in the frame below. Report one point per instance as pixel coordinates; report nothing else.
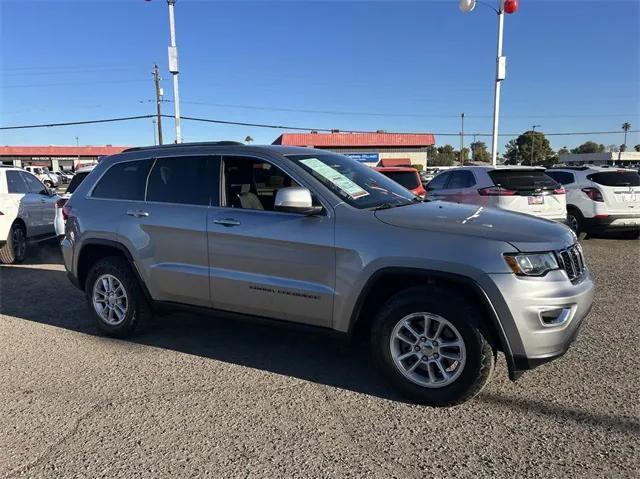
(93, 250)
(387, 281)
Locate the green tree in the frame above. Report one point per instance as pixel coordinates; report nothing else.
(248, 140)
(626, 126)
(564, 151)
(531, 144)
(441, 156)
(637, 148)
(479, 152)
(588, 147)
(613, 148)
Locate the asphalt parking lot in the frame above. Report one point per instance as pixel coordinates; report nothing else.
(201, 396)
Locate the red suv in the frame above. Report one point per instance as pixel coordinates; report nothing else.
(407, 176)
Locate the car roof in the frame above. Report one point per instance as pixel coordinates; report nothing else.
(395, 169)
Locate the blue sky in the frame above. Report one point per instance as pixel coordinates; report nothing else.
(397, 66)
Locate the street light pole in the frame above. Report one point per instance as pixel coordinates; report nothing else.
(173, 69)
(504, 6)
(462, 141)
(500, 75)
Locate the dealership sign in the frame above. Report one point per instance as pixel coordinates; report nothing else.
(364, 157)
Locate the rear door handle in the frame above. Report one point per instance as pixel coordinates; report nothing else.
(227, 222)
(137, 213)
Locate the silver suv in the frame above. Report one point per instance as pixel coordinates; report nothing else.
(313, 237)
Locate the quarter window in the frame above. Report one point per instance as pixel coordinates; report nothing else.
(15, 183)
(188, 180)
(124, 181)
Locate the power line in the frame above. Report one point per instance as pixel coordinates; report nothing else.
(284, 127)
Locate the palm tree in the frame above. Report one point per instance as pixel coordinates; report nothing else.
(626, 126)
(248, 140)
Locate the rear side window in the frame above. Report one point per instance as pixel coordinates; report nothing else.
(461, 179)
(15, 183)
(562, 177)
(439, 181)
(615, 178)
(523, 179)
(76, 180)
(124, 181)
(408, 179)
(186, 180)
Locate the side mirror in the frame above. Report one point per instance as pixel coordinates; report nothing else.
(296, 200)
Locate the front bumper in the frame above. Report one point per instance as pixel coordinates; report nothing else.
(547, 314)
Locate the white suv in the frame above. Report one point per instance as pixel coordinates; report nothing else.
(27, 210)
(49, 179)
(600, 198)
(516, 188)
(78, 178)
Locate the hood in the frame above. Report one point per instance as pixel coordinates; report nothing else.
(524, 232)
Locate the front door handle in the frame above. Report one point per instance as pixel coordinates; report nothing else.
(227, 222)
(137, 213)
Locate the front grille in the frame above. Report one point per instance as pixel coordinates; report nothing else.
(572, 261)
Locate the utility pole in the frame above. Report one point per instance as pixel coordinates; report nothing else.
(173, 68)
(462, 141)
(533, 141)
(159, 92)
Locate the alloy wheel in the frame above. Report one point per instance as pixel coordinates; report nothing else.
(427, 350)
(110, 299)
(19, 243)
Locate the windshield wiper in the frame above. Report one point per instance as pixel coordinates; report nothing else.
(386, 206)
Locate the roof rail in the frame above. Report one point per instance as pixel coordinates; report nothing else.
(575, 168)
(179, 145)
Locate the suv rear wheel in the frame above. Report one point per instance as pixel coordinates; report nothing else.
(575, 221)
(426, 344)
(115, 298)
(15, 249)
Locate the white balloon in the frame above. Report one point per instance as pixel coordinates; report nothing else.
(467, 6)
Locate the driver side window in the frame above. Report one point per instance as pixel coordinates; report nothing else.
(252, 183)
(34, 185)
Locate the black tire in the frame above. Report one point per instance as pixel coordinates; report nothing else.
(14, 251)
(138, 312)
(575, 221)
(631, 234)
(466, 317)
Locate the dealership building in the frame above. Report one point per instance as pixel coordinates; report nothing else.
(624, 158)
(369, 148)
(55, 157)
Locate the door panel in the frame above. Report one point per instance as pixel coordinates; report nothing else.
(272, 264)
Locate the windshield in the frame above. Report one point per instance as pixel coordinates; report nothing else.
(355, 183)
(75, 182)
(523, 179)
(616, 178)
(408, 179)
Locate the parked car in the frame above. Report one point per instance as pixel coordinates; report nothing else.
(60, 218)
(515, 188)
(26, 213)
(406, 176)
(48, 179)
(65, 176)
(600, 199)
(326, 241)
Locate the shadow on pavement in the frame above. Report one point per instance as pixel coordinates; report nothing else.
(300, 353)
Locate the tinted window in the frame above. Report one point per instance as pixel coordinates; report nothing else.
(15, 183)
(439, 181)
(186, 180)
(33, 184)
(408, 179)
(124, 181)
(561, 177)
(76, 180)
(615, 178)
(523, 179)
(461, 179)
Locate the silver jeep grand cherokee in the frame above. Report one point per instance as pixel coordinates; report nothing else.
(313, 237)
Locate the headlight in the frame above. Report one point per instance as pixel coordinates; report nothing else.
(532, 264)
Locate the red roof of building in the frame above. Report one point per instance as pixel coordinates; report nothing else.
(350, 140)
(60, 150)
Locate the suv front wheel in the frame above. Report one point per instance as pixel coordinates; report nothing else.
(115, 298)
(427, 344)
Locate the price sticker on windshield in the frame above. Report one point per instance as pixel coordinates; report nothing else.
(336, 178)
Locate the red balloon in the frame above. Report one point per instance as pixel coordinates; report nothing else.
(510, 6)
